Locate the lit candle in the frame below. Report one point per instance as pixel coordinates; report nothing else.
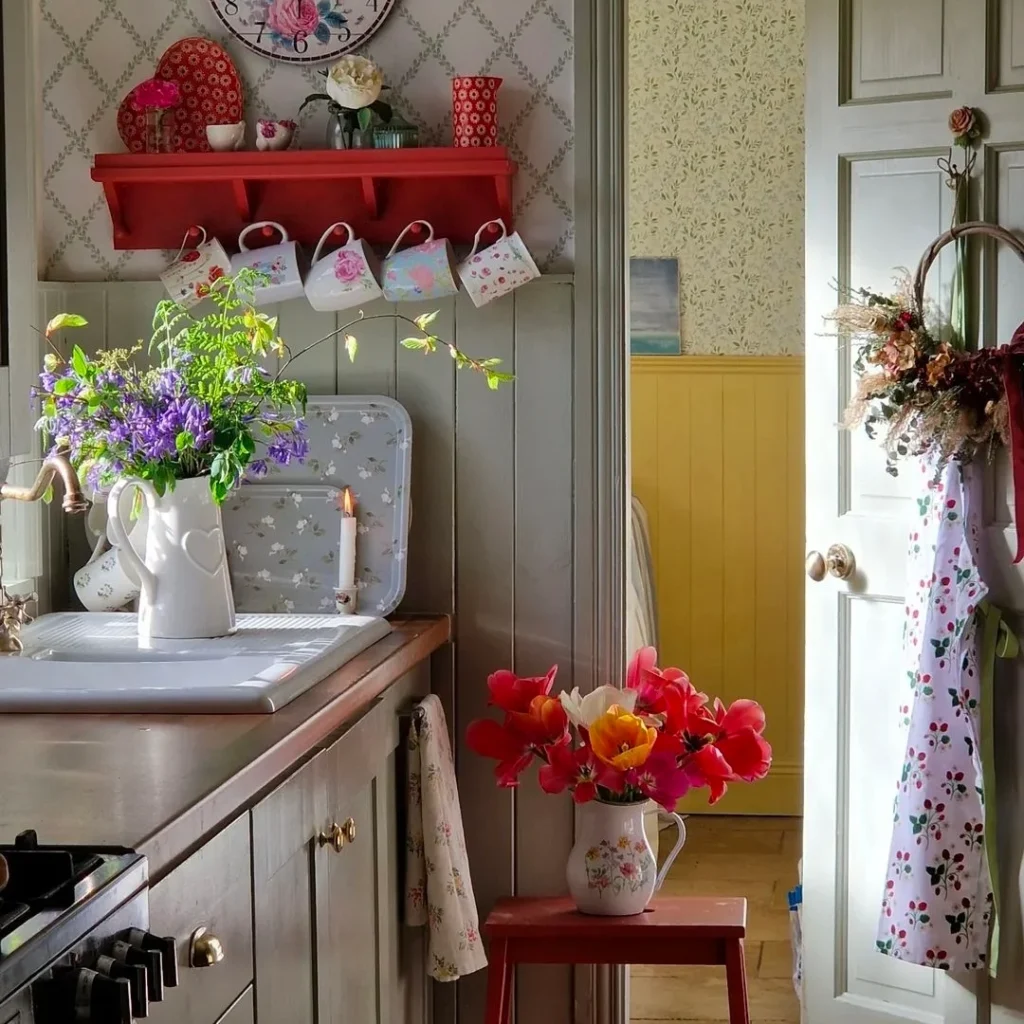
(347, 550)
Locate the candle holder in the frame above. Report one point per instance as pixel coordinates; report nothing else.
(346, 602)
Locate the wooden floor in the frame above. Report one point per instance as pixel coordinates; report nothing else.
(752, 857)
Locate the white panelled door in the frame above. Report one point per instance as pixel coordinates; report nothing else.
(882, 78)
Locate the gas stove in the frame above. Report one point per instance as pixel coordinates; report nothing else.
(74, 944)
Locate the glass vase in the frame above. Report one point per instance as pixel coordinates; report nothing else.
(340, 136)
(158, 131)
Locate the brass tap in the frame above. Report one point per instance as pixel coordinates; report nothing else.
(74, 502)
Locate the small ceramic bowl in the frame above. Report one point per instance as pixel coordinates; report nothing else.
(225, 137)
(274, 134)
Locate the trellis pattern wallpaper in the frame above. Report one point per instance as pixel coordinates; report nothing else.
(94, 51)
(716, 106)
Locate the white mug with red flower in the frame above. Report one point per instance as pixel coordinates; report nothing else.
(490, 273)
(189, 277)
(347, 277)
(614, 750)
(278, 264)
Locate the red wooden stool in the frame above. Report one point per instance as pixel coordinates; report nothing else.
(673, 930)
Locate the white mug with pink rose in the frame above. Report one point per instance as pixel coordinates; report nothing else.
(347, 277)
(490, 273)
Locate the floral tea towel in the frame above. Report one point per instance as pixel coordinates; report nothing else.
(439, 892)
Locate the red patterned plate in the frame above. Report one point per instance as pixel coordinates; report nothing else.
(211, 93)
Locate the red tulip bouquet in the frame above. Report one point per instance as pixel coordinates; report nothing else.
(656, 739)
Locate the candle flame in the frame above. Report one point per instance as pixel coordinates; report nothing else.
(347, 504)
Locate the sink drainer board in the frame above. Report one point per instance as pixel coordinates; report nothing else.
(283, 531)
(85, 661)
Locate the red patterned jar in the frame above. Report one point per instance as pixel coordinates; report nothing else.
(475, 110)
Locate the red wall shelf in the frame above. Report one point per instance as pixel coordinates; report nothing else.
(155, 198)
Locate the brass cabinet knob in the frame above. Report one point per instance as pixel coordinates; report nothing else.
(335, 838)
(338, 835)
(205, 949)
(838, 561)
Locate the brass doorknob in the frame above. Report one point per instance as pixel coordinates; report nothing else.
(335, 838)
(838, 561)
(205, 949)
(349, 830)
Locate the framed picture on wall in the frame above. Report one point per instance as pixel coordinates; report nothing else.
(654, 307)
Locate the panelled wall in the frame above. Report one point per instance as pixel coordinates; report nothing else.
(883, 78)
(718, 462)
(491, 542)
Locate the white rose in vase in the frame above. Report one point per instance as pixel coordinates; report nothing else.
(354, 82)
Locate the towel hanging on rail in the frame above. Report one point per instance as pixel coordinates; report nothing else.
(438, 889)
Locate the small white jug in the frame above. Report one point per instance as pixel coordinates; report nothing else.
(279, 264)
(186, 589)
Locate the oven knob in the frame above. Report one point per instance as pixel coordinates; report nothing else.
(135, 974)
(164, 946)
(147, 958)
(77, 994)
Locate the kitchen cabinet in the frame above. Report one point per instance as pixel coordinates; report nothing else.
(329, 944)
(241, 1012)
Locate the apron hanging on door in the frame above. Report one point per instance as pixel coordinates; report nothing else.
(938, 900)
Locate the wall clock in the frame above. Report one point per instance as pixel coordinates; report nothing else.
(303, 31)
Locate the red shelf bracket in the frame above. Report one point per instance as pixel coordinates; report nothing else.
(116, 211)
(503, 189)
(371, 200)
(243, 201)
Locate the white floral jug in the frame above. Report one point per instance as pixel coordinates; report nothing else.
(612, 869)
(186, 589)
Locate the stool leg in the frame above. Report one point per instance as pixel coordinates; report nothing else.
(499, 984)
(736, 981)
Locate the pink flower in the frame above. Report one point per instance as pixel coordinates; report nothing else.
(290, 17)
(155, 94)
(347, 266)
(268, 129)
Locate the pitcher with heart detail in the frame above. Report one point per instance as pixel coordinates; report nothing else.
(186, 588)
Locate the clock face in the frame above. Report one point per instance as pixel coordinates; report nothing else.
(303, 31)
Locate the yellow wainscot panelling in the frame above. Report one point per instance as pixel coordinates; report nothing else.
(718, 461)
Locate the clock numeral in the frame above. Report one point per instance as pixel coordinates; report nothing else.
(231, 7)
(299, 41)
(344, 34)
(373, 4)
(263, 27)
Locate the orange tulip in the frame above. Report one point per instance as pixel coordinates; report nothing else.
(622, 740)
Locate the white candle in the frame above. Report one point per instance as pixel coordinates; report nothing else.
(347, 548)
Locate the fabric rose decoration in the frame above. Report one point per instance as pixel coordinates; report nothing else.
(291, 17)
(354, 83)
(963, 123)
(347, 266)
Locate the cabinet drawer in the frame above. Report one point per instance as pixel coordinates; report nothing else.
(241, 1012)
(210, 890)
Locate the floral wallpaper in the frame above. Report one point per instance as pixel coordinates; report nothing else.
(716, 106)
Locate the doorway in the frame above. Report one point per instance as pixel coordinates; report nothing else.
(716, 236)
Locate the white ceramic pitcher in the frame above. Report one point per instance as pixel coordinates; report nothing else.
(186, 589)
(612, 870)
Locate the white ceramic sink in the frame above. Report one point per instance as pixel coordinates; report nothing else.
(80, 661)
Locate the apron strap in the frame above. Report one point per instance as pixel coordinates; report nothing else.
(997, 641)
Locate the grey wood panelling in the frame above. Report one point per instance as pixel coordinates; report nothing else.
(492, 540)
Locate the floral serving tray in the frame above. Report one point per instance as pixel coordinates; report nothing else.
(283, 532)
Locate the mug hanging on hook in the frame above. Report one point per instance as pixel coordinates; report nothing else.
(194, 269)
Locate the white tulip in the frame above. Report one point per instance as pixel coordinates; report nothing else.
(583, 711)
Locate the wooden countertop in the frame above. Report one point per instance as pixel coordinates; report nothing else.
(160, 783)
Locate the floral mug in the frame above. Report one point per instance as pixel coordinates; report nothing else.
(189, 277)
(279, 264)
(489, 273)
(348, 277)
(424, 271)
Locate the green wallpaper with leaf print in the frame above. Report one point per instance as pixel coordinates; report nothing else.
(716, 107)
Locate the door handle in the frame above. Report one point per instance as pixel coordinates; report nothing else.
(838, 561)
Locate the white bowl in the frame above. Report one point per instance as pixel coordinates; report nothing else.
(225, 137)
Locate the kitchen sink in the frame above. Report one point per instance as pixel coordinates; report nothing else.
(84, 661)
